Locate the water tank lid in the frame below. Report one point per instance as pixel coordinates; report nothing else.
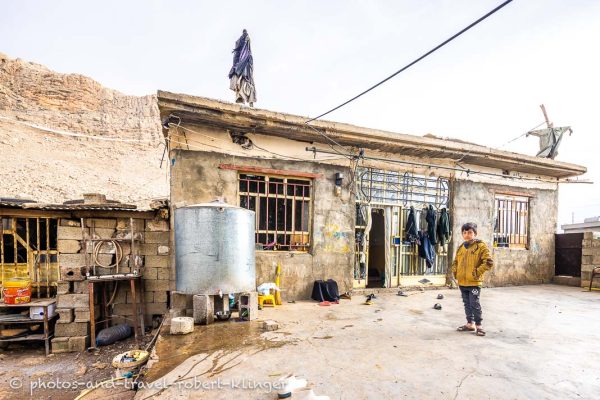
(215, 204)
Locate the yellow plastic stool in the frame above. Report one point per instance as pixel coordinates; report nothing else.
(268, 298)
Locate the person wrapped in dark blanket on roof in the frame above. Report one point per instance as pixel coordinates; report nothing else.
(241, 75)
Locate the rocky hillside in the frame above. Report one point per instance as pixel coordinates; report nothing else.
(44, 120)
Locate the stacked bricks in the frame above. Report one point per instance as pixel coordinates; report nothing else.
(590, 259)
(71, 333)
(152, 250)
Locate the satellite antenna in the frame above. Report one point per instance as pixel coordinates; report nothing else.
(550, 137)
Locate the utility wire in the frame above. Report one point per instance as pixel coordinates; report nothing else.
(416, 61)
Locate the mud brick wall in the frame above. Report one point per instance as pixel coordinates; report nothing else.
(152, 250)
(590, 259)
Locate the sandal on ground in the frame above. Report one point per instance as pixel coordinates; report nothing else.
(465, 328)
(480, 332)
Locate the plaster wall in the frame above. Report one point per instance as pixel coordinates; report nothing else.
(474, 202)
(197, 178)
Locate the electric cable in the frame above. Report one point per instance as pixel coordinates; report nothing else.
(417, 60)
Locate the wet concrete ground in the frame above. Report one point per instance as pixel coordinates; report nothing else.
(542, 343)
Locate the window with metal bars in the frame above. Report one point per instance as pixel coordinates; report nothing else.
(29, 249)
(283, 210)
(511, 222)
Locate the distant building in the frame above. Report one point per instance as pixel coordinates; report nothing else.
(591, 224)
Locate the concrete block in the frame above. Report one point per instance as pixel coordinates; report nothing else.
(156, 261)
(596, 259)
(70, 232)
(164, 273)
(157, 225)
(248, 305)
(65, 315)
(79, 343)
(151, 285)
(149, 297)
(157, 237)
(82, 315)
(123, 224)
(69, 274)
(181, 300)
(586, 260)
(164, 250)
(81, 287)
(586, 251)
(588, 235)
(595, 243)
(69, 246)
(150, 273)
(203, 309)
(60, 345)
(63, 287)
(72, 260)
(73, 301)
(148, 249)
(101, 223)
(70, 222)
(182, 325)
(270, 325)
(123, 309)
(156, 308)
(102, 233)
(160, 297)
(72, 329)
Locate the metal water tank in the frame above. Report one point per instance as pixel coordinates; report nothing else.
(214, 249)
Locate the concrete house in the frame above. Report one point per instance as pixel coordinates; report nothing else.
(332, 200)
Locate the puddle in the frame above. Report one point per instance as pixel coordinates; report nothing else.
(223, 337)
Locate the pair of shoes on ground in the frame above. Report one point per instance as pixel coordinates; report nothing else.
(479, 331)
(292, 387)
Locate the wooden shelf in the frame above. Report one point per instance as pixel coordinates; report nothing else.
(33, 336)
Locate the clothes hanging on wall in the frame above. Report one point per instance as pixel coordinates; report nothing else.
(443, 227)
(426, 249)
(423, 219)
(431, 217)
(411, 226)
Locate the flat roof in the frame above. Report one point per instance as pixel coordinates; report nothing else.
(203, 111)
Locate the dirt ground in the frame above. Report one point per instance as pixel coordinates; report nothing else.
(542, 343)
(26, 372)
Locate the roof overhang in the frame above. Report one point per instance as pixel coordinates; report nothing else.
(208, 112)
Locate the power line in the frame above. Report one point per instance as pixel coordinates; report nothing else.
(417, 60)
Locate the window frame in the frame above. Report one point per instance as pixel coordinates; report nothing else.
(305, 234)
(512, 221)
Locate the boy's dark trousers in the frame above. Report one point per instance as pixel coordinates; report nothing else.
(470, 297)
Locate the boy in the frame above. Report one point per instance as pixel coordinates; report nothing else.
(472, 260)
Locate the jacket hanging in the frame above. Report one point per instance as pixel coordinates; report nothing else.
(431, 224)
(411, 226)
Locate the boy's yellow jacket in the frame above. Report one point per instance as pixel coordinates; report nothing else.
(470, 264)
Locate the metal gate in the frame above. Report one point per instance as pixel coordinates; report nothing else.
(567, 254)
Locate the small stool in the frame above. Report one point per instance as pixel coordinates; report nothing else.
(268, 298)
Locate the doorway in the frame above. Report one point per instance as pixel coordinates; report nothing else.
(376, 269)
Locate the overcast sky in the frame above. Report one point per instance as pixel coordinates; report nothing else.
(309, 56)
